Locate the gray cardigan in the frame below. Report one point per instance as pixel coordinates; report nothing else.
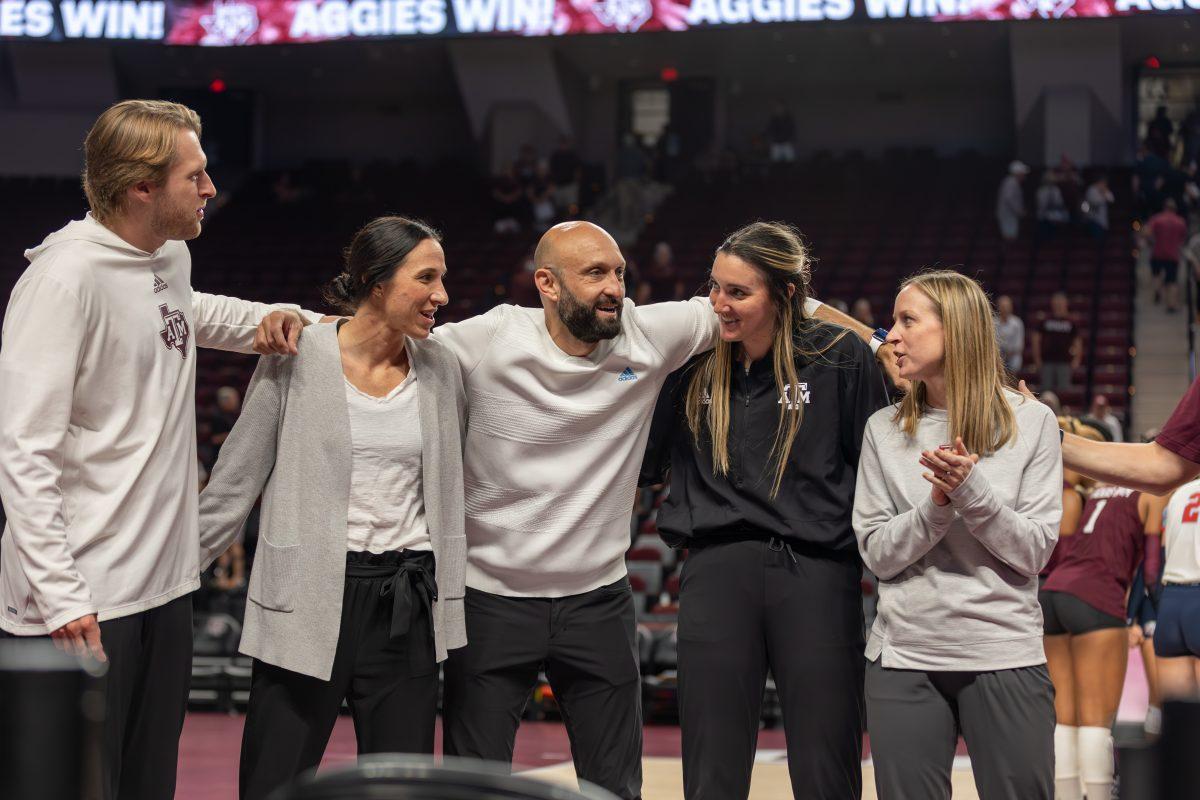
(292, 445)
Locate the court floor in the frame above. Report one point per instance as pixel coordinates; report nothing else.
(208, 756)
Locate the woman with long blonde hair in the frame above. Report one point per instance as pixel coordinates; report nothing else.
(762, 435)
(956, 511)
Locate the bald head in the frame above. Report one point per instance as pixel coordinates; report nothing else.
(570, 244)
(580, 274)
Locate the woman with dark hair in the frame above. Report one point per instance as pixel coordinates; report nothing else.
(355, 445)
(762, 438)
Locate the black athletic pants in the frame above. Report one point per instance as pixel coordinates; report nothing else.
(145, 700)
(588, 646)
(1005, 716)
(390, 684)
(745, 608)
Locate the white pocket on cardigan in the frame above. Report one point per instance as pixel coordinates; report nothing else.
(275, 575)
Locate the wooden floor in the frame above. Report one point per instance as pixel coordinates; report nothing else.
(663, 780)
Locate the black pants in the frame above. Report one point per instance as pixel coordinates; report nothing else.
(1005, 716)
(752, 606)
(390, 684)
(145, 700)
(588, 644)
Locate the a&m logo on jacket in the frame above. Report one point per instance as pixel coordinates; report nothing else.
(794, 394)
(175, 333)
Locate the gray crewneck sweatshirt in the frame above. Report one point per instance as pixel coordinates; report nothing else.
(958, 583)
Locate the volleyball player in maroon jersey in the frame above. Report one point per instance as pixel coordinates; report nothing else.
(1083, 603)
(1072, 498)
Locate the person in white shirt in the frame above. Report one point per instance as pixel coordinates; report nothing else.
(1177, 631)
(1010, 332)
(559, 404)
(98, 466)
(1101, 411)
(1096, 201)
(1010, 201)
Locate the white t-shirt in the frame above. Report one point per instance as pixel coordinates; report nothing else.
(555, 442)
(1181, 535)
(98, 467)
(387, 511)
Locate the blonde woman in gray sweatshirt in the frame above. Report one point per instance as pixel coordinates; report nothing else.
(956, 511)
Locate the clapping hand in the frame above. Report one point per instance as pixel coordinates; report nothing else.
(948, 468)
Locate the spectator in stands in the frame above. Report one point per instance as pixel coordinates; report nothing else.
(1010, 201)
(525, 165)
(1051, 401)
(1057, 345)
(1070, 184)
(366, 620)
(1166, 233)
(1158, 133)
(540, 193)
(632, 170)
(1052, 213)
(767, 527)
(1101, 411)
(781, 135)
(98, 463)
(508, 203)
(566, 171)
(1096, 201)
(1010, 333)
(838, 304)
(863, 313)
(1149, 171)
(521, 289)
(1189, 131)
(661, 282)
(957, 643)
(229, 406)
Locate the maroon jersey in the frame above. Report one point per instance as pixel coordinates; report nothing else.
(1060, 547)
(1099, 561)
(1181, 434)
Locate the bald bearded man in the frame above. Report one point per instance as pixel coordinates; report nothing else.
(559, 402)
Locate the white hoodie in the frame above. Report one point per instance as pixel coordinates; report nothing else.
(98, 427)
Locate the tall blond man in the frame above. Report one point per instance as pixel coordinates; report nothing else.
(97, 433)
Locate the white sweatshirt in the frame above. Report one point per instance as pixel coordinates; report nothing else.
(1181, 535)
(98, 427)
(958, 583)
(554, 442)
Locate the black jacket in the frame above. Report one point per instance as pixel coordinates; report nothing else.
(839, 391)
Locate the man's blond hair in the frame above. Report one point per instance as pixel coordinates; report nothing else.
(131, 142)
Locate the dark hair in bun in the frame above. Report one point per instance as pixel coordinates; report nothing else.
(374, 255)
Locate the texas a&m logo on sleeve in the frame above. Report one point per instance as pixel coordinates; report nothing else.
(175, 333)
